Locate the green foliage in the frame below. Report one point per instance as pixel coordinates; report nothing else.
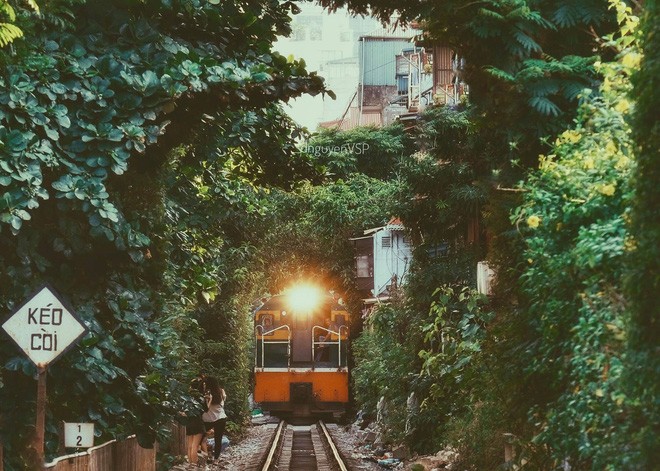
(94, 202)
(477, 431)
(575, 224)
(368, 150)
(444, 177)
(525, 61)
(123, 95)
(454, 334)
(643, 284)
(305, 233)
(213, 204)
(440, 199)
(432, 355)
(385, 366)
(550, 363)
(215, 191)
(162, 253)
(8, 30)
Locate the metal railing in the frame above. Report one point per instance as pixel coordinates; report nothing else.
(325, 342)
(260, 332)
(451, 94)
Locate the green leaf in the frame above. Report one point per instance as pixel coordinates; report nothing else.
(115, 135)
(544, 106)
(8, 33)
(16, 222)
(51, 133)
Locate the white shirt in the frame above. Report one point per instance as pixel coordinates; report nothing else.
(215, 411)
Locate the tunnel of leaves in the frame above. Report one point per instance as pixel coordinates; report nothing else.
(148, 172)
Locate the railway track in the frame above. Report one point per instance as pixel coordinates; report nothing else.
(303, 448)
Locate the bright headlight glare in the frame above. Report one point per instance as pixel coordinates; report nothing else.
(303, 298)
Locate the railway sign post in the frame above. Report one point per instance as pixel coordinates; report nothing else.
(78, 435)
(44, 327)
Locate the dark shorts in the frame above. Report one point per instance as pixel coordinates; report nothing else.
(195, 426)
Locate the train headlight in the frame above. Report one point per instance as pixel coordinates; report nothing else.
(304, 298)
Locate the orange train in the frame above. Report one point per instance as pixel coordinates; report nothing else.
(301, 354)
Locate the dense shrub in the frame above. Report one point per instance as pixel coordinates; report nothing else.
(575, 223)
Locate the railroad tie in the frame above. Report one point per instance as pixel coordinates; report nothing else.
(303, 456)
(284, 461)
(322, 463)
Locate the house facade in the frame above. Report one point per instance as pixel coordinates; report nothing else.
(382, 260)
(399, 75)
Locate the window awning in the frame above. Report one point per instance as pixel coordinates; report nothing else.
(360, 238)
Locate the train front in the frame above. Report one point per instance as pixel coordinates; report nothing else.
(301, 354)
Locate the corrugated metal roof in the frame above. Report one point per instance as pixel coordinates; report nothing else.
(373, 230)
(395, 224)
(352, 119)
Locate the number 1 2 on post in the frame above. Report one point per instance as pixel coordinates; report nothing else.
(78, 435)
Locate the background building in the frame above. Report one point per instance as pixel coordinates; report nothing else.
(329, 45)
(382, 259)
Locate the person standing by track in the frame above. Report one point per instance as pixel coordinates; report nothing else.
(194, 425)
(215, 417)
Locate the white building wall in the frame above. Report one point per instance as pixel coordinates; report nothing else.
(319, 38)
(390, 261)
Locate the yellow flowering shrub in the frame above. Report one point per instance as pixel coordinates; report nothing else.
(582, 195)
(607, 190)
(533, 221)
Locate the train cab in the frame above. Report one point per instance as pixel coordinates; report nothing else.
(301, 354)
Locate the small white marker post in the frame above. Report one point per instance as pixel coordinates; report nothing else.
(78, 435)
(44, 327)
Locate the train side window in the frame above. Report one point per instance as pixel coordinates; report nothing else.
(266, 321)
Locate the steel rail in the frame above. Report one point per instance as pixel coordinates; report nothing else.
(271, 454)
(335, 452)
(323, 455)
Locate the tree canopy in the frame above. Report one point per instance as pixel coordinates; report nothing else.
(148, 172)
(525, 61)
(97, 105)
(127, 73)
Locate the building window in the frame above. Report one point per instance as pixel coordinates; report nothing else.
(315, 34)
(438, 250)
(299, 32)
(386, 242)
(402, 65)
(363, 266)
